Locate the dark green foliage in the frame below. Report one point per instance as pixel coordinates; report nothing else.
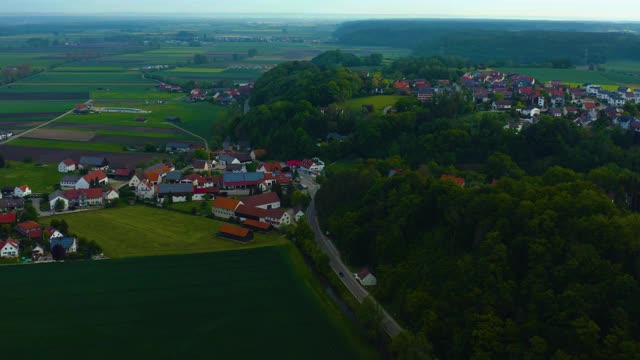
(527, 268)
(339, 58)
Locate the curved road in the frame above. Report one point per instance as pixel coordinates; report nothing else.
(389, 324)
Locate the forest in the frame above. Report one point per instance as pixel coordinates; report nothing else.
(537, 256)
(510, 42)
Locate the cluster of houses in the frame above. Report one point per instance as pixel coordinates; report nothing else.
(5, 134)
(530, 98)
(420, 88)
(220, 95)
(10, 247)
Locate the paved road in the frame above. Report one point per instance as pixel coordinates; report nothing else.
(390, 325)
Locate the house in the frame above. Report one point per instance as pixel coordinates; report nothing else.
(195, 179)
(30, 229)
(313, 165)
(236, 168)
(84, 197)
(173, 176)
(268, 200)
(69, 244)
(198, 94)
(110, 195)
(67, 165)
(94, 163)
(270, 167)
(224, 207)
(257, 154)
(501, 105)
(425, 94)
(93, 179)
(242, 180)
(22, 191)
(244, 212)
(37, 252)
(11, 204)
(145, 190)
(201, 165)
(256, 225)
(555, 112)
(455, 179)
(179, 147)
(278, 217)
(298, 214)
(69, 181)
(122, 174)
(56, 196)
(53, 232)
(530, 111)
(135, 180)
(8, 218)
(201, 193)
(365, 278)
(9, 248)
(271, 178)
(235, 233)
(178, 192)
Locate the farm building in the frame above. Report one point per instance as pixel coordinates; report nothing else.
(56, 196)
(269, 200)
(242, 180)
(67, 165)
(178, 192)
(235, 233)
(256, 225)
(8, 248)
(30, 229)
(224, 207)
(92, 179)
(84, 197)
(8, 218)
(94, 163)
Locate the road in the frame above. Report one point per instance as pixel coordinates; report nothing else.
(389, 324)
(206, 145)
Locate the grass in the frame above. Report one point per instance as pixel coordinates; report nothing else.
(88, 77)
(41, 179)
(32, 106)
(196, 70)
(228, 305)
(379, 102)
(70, 145)
(144, 231)
(576, 76)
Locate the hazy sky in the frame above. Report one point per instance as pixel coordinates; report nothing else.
(522, 9)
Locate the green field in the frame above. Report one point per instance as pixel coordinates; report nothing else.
(32, 106)
(379, 102)
(71, 145)
(144, 231)
(88, 77)
(252, 304)
(40, 178)
(576, 76)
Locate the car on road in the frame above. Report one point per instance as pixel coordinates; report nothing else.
(341, 274)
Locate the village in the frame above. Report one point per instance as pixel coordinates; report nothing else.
(249, 201)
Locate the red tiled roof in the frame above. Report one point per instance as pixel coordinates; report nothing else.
(8, 218)
(24, 188)
(68, 162)
(272, 167)
(294, 163)
(251, 211)
(234, 230)
(8, 241)
(29, 225)
(194, 177)
(261, 199)
(122, 172)
(275, 213)
(226, 203)
(363, 273)
(97, 174)
(456, 179)
(89, 193)
(259, 152)
(203, 190)
(257, 224)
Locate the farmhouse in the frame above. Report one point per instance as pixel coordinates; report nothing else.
(8, 248)
(256, 225)
(30, 229)
(53, 232)
(67, 165)
(201, 165)
(92, 179)
(22, 191)
(201, 193)
(270, 167)
(365, 277)
(224, 207)
(269, 200)
(69, 244)
(177, 192)
(278, 217)
(242, 180)
(84, 197)
(69, 181)
(11, 204)
(110, 195)
(94, 163)
(55, 196)
(145, 190)
(235, 233)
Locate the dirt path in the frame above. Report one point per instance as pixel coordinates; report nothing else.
(206, 145)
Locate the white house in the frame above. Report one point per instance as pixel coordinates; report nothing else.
(22, 191)
(97, 175)
(366, 278)
(298, 215)
(8, 248)
(145, 190)
(135, 181)
(67, 165)
(278, 217)
(54, 197)
(224, 207)
(110, 195)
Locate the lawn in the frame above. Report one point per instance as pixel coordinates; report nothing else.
(250, 304)
(40, 178)
(379, 102)
(144, 231)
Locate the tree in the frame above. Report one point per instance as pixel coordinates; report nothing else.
(59, 205)
(29, 213)
(252, 52)
(63, 227)
(370, 315)
(199, 59)
(409, 346)
(58, 252)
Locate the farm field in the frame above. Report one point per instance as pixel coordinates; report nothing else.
(41, 178)
(144, 231)
(379, 102)
(117, 78)
(576, 76)
(14, 152)
(65, 144)
(237, 304)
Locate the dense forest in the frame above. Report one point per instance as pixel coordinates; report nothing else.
(500, 42)
(537, 256)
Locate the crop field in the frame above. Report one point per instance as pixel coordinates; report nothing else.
(117, 78)
(40, 177)
(44, 96)
(66, 135)
(70, 145)
(144, 231)
(577, 76)
(228, 305)
(16, 114)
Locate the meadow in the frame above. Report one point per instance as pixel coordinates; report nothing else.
(41, 178)
(228, 305)
(379, 102)
(145, 231)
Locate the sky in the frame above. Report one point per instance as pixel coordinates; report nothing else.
(495, 9)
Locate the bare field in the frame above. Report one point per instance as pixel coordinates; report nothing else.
(67, 135)
(54, 156)
(141, 129)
